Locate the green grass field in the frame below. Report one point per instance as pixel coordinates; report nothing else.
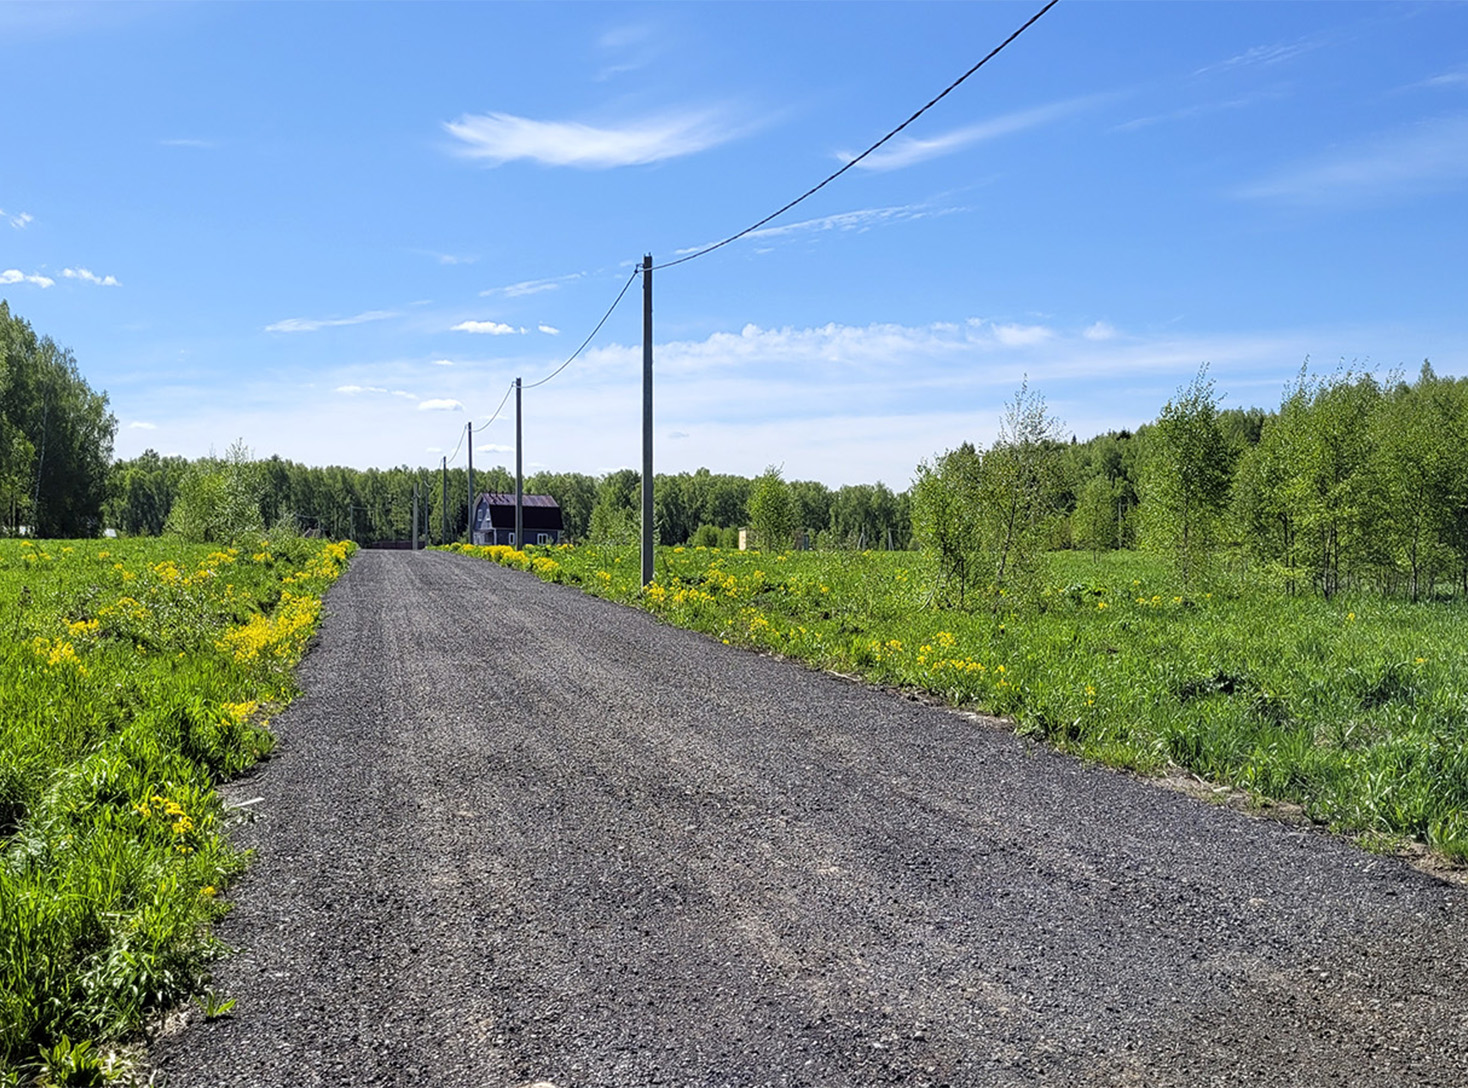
(1355, 709)
(134, 677)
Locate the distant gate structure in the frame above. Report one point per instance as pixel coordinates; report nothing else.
(494, 519)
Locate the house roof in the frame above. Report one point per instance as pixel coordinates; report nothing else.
(507, 498)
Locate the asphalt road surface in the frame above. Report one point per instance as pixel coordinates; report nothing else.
(513, 834)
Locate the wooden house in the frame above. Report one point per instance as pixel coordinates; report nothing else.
(494, 519)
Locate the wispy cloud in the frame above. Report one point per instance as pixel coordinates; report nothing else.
(184, 142)
(440, 404)
(859, 220)
(307, 324)
(492, 447)
(15, 275)
(909, 150)
(1187, 113)
(453, 258)
(443, 362)
(1267, 54)
(20, 220)
(353, 390)
(140, 425)
(1458, 77)
(1101, 330)
(88, 276)
(490, 328)
(1430, 156)
(498, 138)
(530, 287)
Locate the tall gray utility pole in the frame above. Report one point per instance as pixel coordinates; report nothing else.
(469, 531)
(647, 526)
(443, 537)
(415, 515)
(519, 477)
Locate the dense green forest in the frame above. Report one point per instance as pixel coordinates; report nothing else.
(1351, 483)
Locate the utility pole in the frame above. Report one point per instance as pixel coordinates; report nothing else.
(469, 532)
(647, 526)
(443, 537)
(415, 515)
(519, 477)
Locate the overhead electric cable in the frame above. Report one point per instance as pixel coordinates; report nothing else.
(465, 429)
(817, 188)
(592, 334)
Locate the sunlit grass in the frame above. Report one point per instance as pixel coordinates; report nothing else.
(1355, 709)
(134, 677)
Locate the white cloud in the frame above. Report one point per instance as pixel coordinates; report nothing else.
(352, 390)
(860, 220)
(1022, 336)
(1264, 55)
(549, 330)
(491, 328)
(139, 425)
(1430, 156)
(15, 275)
(909, 150)
(19, 220)
(88, 276)
(404, 394)
(1456, 78)
(492, 448)
(305, 324)
(1101, 330)
(530, 287)
(442, 404)
(498, 138)
(443, 362)
(450, 258)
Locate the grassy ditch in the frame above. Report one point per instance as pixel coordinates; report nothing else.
(135, 676)
(1356, 709)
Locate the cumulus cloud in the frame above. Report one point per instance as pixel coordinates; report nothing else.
(1022, 336)
(88, 276)
(490, 328)
(909, 150)
(440, 404)
(306, 324)
(15, 275)
(498, 138)
(443, 362)
(1430, 156)
(549, 330)
(1101, 330)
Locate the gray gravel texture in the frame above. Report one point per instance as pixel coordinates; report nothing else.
(516, 834)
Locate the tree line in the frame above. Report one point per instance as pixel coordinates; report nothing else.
(1352, 483)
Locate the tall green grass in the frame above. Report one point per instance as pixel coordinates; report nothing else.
(134, 677)
(1355, 709)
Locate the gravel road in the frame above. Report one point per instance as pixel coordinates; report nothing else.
(514, 834)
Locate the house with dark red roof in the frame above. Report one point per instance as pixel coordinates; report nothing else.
(494, 519)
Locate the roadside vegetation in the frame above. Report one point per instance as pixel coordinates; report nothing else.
(135, 676)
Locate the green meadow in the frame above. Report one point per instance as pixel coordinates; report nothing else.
(135, 676)
(1353, 708)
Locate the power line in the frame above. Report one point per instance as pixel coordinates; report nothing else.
(832, 177)
(464, 429)
(594, 331)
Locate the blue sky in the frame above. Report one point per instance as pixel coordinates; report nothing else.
(339, 231)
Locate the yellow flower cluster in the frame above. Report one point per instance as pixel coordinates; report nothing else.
(170, 812)
(58, 653)
(238, 712)
(282, 636)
